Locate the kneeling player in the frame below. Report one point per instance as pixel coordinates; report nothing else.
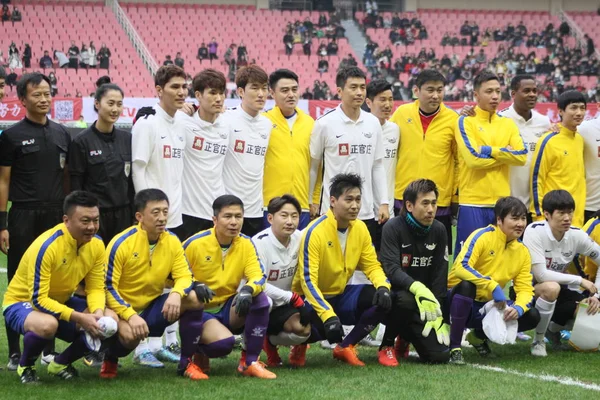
(39, 303)
(553, 245)
(413, 254)
(332, 248)
(278, 248)
(139, 261)
(490, 258)
(222, 259)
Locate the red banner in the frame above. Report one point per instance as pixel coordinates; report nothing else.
(63, 109)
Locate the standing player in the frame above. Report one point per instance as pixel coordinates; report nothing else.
(219, 249)
(207, 139)
(287, 161)
(590, 132)
(488, 144)
(278, 247)
(100, 162)
(553, 245)
(333, 247)
(429, 147)
(138, 262)
(348, 140)
(38, 302)
(33, 157)
(413, 254)
(248, 141)
(558, 160)
(491, 257)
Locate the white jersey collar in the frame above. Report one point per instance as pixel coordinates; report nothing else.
(163, 114)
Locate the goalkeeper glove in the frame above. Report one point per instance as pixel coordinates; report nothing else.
(442, 330)
(243, 301)
(382, 298)
(333, 330)
(203, 292)
(429, 307)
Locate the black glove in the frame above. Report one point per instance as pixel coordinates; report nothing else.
(243, 301)
(305, 315)
(142, 112)
(203, 292)
(383, 298)
(333, 330)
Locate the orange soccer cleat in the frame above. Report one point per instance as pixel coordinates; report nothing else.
(298, 355)
(194, 372)
(108, 370)
(387, 357)
(257, 370)
(202, 361)
(349, 355)
(401, 348)
(273, 359)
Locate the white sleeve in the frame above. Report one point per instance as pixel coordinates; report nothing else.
(587, 247)
(542, 274)
(276, 294)
(380, 192)
(142, 146)
(313, 176)
(317, 139)
(532, 241)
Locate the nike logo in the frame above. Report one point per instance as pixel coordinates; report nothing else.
(163, 137)
(237, 130)
(339, 136)
(548, 251)
(275, 262)
(406, 245)
(597, 140)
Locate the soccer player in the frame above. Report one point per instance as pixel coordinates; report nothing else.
(488, 144)
(33, 158)
(100, 162)
(553, 245)
(39, 303)
(332, 248)
(206, 142)
(2, 82)
(225, 260)
(278, 247)
(248, 141)
(592, 228)
(532, 125)
(138, 262)
(428, 145)
(287, 161)
(590, 132)
(348, 140)
(413, 255)
(558, 159)
(491, 257)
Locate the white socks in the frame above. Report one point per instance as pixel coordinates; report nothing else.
(143, 346)
(154, 344)
(546, 310)
(171, 334)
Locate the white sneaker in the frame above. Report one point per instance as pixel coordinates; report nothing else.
(326, 345)
(523, 337)
(538, 349)
(369, 341)
(48, 358)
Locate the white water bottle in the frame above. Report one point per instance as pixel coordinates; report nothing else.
(586, 330)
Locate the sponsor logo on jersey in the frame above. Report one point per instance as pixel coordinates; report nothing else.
(343, 149)
(94, 153)
(420, 262)
(166, 151)
(430, 246)
(330, 244)
(406, 259)
(28, 142)
(274, 275)
(368, 135)
(392, 140)
(239, 147)
(62, 160)
(548, 262)
(567, 254)
(198, 143)
(208, 258)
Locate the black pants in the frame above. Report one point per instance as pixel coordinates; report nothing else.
(252, 226)
(191, 226)
(587, 215)
(566, 305)
(373, 227)
(114, 221)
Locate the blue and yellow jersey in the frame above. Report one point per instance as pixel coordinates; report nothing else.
(51, 269)
(558, 164)
(223, 270)
(487, 261)
(135, 275)
(324, 271)
(484, 157)
(592, 228)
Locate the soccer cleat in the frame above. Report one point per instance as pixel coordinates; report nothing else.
(326, 345)
(538, 349)
(174, 348)
(238, 341)
(349, 355)
(192, 371)
(94, 359)
(554, 338)
(565, 334)
(523, 337)
(401, 348)
(27, 374)
(64, 372)
(369, 341)
(387, 357)
(48, 358)
(481, 345)
(297, 356)
(164, 355)
(13, 362)
(456, 357)
(109, 370)
(257, 370)
(273, 359)
(147, 359)
(202, 360)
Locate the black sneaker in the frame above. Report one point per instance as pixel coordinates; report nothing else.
(13, 362)
(481, 345)
(27, 375)
(94, 359)
(64, 372)
(555, 340)
(456, 357)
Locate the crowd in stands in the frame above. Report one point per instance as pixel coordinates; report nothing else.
(14, 15)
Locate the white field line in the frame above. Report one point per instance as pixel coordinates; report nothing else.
(2, 270)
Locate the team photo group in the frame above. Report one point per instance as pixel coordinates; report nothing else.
(206, 225)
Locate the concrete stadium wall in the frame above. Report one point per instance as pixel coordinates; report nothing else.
(519, 5)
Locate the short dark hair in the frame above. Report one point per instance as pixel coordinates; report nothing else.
(277, 203)
(166, 73)
(342, 182)
(226, 200)
(569, 97)
(33, 79)
(145, 196)
(509, 205)
(483, 77)
(429, 75)
(79, 198)
(420, 186)
(103, 80)
(344, 74)
(516, 81)
(281, 74)
(2, 73)
(377, 86)
(103, 89)
(251, 74)
(209, 79)
(558, 200)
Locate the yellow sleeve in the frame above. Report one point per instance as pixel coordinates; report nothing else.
(180, 271)
(115, 260)
(515, 156)
(523, 282)
(465, 265)
(542, 162)
(590, 267)
(40, 267)
(95, 289)
(456, 173)
(370, 265)
(469, 149)
(254, 271)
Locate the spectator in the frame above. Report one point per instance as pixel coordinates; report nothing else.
(465, 29)
(232, 70)
(564, 29)
(288, 41)
(307, 95)
(5, 13)
(93, 56)
(53, 84)
(16, 15)
(80, 123)
(104, 56)
(481, 57)
(14, 61)
(168, 61)
(79, 95)
(73, 54)
(27, 56)
(12, 49)
(84, 57)
(2, 60)
(212, 49)
(322, 22)
(308, 25)
(243, 62)
(591, 49)
(229, 54)
(202, 52)
(307, 45)
(332, 48)
(242, 51)
(11, 79)
(323, 65)
(46, 61)
(371, 7)
(61, 59)
(178, 60)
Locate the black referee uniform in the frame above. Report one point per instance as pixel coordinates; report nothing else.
(100, 163)
(37, 156)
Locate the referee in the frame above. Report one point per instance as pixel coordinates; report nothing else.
(100, 163)
(33, 157)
